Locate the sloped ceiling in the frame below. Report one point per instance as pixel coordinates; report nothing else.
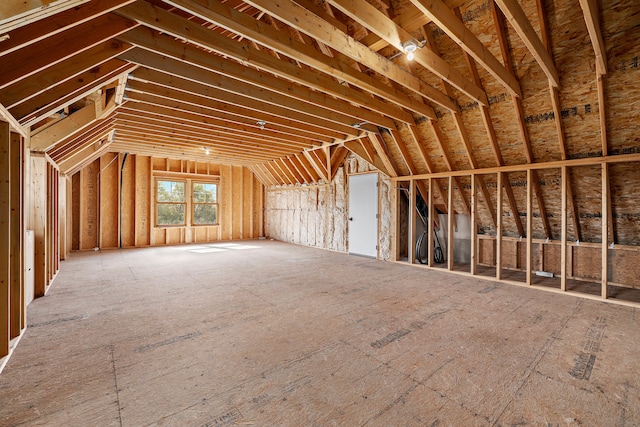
(290, 87)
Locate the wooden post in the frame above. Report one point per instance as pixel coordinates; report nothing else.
(605, 229)
(450, 221)
(16, 221)
(39, 221)
(499, 227)
(563, 237)
(430, 222)
(412, 222)
(474, 227)
(529, 223)
(5, 233)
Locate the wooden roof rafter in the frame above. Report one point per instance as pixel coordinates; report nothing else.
(376, 21)
(61, 96)
(499, 22)
(267, 36)
(160, 20)
(444, 18)
(557, 110)
(62, 72)
(325, 118)
(294, 15)
(195, 98)
(22, 64)
(521, 24)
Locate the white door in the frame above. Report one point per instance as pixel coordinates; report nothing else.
(363, 215)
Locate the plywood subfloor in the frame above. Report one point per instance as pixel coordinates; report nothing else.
(272, 334)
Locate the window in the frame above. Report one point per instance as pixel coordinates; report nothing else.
(205, 203)
(170, 203)
(186, 203)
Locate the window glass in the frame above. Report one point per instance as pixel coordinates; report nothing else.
(171, 203)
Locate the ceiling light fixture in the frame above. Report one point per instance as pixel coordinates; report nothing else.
(206, 151)
(410, 47)
(261, 123)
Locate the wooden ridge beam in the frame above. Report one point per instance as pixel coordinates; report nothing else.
(444, 18)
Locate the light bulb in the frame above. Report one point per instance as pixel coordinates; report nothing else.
(410, 56)
(206, 151)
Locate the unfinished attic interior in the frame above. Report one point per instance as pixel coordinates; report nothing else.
(312, 212)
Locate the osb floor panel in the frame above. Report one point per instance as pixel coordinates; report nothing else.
(272, 334)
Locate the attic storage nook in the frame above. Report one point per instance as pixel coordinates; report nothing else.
(501, 139)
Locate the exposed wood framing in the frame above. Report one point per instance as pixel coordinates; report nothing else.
(18, 13)
(240, 23)
(444, 18)
(555, 103)
(500, 185)
(306, 22)
(5, 238)
(592, 19)
(605, 230)
(519, 21)
(506, 55)
(370, 17)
